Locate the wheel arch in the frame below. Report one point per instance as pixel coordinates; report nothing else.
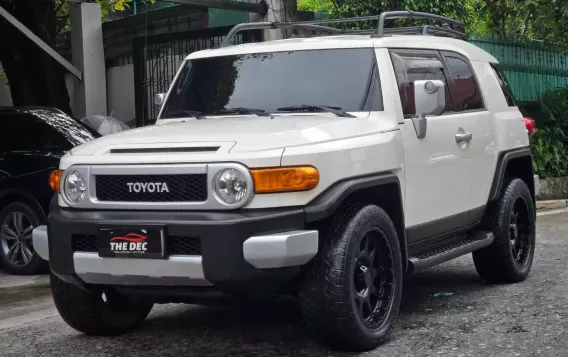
(513, 163)
(382, 189)
(11, 195)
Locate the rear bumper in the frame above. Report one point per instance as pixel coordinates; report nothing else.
(536, 185)
(239, 250)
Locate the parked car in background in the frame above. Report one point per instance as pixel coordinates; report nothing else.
(32, 141)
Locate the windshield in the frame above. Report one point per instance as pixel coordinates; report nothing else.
(346, 79)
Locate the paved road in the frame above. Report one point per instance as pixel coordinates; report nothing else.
(447, 311)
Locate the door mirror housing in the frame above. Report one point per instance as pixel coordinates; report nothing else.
(159, 99)
(429, 99)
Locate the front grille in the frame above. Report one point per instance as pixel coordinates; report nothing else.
(184, 245)
(175, 245)
(84, 243)
(180, 188)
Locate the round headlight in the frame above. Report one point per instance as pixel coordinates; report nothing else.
(75, 187)
(231, 186)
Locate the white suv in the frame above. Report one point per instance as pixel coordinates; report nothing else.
(325, 167)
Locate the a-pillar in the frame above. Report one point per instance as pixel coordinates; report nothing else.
(90, 95)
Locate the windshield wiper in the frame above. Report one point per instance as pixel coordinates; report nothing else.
(316, 108)
(242, 110)
(183, 113)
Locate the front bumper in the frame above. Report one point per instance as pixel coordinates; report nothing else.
(239, 249)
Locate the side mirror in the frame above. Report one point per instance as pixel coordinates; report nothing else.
(429, 99)
(159, 99)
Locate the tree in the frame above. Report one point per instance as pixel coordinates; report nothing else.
(528, 19)
(33, 76)
(348, 8)
(517, 19)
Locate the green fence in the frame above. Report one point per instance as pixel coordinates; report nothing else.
(532, 67)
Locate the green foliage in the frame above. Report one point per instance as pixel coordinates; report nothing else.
(365, 7)
(528, 19)
(107, 7)
(518, 19)
(550, 143)
(550, 153)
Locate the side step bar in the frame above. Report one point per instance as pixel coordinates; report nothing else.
(474, 241)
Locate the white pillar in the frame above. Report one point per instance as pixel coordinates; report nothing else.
(279, 11)
(87, 49)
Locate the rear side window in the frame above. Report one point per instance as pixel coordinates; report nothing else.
(415, 67)
(466, 92)
(505, 86)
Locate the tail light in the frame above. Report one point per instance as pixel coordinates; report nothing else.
(531, 126)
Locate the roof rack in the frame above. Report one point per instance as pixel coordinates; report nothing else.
(446, 26)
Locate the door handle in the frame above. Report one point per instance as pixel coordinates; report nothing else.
(460, 137)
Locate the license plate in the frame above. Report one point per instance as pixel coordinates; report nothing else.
(137, 242)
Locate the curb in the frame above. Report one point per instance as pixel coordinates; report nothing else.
(551, 204)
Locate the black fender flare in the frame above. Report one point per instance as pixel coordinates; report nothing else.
(504, 158)
(329, 201)
(27, 198)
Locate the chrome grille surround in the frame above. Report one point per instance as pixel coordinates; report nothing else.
(212, 202)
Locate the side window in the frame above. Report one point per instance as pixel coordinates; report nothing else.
(415, 66)
(504, 83)
(466, 93)
(23, 132)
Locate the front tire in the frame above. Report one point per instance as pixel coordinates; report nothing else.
(352, 291)
(17, 253)
(97, 313)
(512, 220)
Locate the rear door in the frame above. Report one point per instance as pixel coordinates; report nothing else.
(438, 170)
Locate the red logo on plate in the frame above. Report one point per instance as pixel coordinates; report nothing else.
(131, 237)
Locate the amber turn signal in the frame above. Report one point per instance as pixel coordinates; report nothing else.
(285, 179)
(55, 180)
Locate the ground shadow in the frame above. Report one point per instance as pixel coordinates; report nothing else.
(275, 329)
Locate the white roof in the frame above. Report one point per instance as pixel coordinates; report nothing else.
(470, 51)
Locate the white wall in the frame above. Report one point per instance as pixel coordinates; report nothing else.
(69, 84)
(5, 97)
(120, 93)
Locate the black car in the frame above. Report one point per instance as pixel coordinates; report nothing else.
(32, 141)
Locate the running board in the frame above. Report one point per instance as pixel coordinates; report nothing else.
(475, 240)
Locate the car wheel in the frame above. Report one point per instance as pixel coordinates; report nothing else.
(17, 253)
(97, 312)
(512, 220)
(351, 294)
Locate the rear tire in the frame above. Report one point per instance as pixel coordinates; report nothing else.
(95, 313)
(352, 291)
(17, 254)
(512, 220)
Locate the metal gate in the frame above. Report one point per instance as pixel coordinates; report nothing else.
(158, 57)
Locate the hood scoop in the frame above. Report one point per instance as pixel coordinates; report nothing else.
(165, 150)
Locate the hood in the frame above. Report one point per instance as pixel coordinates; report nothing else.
(234, 134)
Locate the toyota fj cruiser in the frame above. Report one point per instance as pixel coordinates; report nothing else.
(326, 167)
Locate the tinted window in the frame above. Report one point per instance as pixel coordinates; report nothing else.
(416, 67)
(466, 92)
(346, 78)
(24, 132)
(505, 86)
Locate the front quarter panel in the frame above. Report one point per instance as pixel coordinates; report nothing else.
(336, 161)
